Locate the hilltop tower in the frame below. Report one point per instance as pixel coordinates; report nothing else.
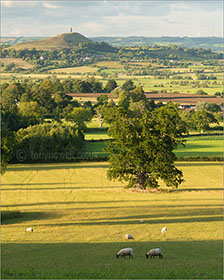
(70, 29)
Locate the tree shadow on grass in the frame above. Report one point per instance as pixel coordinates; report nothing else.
(57, 188)
(195, 146)
(53, 167)
(182, 213)
(12, 217)
(76, 203)
(202, 214)
(132, 222)
(192, 164)
(99, 165)
(195, 189)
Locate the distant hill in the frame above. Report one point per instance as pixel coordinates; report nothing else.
(16, 40)
(65, 40)
(214, 43)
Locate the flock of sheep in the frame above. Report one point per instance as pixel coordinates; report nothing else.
(129, 251)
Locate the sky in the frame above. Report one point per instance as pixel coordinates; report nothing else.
(112, 18)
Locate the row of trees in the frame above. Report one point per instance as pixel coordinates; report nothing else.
(25, 108)
(26, 104)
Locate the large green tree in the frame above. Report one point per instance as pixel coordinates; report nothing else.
(200, 120)
(80, 117)
(8, 143)
(110, 85)
(142, 150)
(32, 112)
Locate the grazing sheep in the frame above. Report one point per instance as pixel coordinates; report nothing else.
(125, 252)
(128, 236)
(154, 252)
(141, 221)
(164, 229)
(29, 229)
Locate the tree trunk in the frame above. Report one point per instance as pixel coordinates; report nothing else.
(140, 180)
(101, 121)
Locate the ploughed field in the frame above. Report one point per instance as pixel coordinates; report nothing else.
(80, 218)
(180, 98)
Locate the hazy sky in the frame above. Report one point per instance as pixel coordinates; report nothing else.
(112, 18)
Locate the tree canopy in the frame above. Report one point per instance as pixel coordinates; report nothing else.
(142, 150)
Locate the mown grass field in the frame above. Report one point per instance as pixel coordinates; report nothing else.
(99, 135)
(110, 64)
(80, 219)
(75, 70)
(203, 146)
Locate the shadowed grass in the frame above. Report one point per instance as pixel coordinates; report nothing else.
(182, 260)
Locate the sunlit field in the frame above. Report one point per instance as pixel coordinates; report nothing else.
(73, 70)
(117, 71)
(18, 63)
(80, 219)
(200, 146)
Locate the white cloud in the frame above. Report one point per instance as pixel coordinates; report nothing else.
(50, 6)
(91, 29)
(15, 32)
(7, 4)
(18, 4)
(112, 18)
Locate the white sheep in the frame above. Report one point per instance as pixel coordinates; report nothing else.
(141, 221)
(29, 229)
(164, 229)
(154, 252)
(128, 236)
(125, 252)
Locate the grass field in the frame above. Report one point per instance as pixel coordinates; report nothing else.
(80, 219)
(110, 64)
(18, 63)
(95, 148)
(7, 77)
(73, 70)
(95, 123)
(96, 135)
(203, 146)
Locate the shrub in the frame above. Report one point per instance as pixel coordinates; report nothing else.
(202, 92)
(48, 143)
(199, 158)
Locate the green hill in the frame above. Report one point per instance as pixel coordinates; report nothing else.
(214, 43)
(66, 40)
